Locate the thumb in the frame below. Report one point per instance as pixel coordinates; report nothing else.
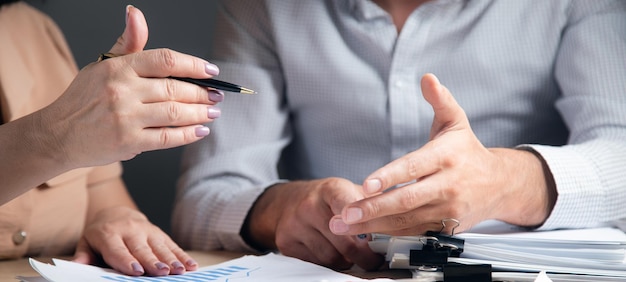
(448, 114)
(135, 34)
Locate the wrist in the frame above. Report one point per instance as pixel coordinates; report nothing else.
(43, 136)
(258, 229)
(531, 194)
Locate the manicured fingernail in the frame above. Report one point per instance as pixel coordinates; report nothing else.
(372, 186)
(160, 266)
(192, 263)
(202, 131)
(353, 215)
(338, 226)
(214, 112)
(216, 95)
(362, 236)
(178, 265)
(137, 268)
(211, 69)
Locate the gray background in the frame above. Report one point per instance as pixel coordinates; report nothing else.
(92, 27)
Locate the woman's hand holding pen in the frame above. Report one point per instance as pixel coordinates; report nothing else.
(132, 106)
(452, 177)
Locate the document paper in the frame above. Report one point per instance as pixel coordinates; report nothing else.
(270, 267)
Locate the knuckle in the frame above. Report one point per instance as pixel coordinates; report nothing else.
(409, 199)
(167, 57)
(334, 181)
(164, 138)
(173, 112)
(411, 166)
(371, 209)
(399, 221)
(448, 159)
(170, 89)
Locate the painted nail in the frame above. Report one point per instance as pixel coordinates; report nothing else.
(137, 268)
(178, 265)
(202, 131)
(216, 95)
(160, 266)
(362, 236)
(192, 263)
(214, 112)
(353, 215)
(338, 226)
(211, 69)
(372, 186)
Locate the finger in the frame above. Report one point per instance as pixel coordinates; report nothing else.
(143, 252)
(412, 223)
(189, 263)
(397, 201)
(448, 113)
(176, 114)
(165, 62)
(352, 249)
(324, 251)
(342, 193)
(307, 242)
(410, 167)
(117, 255)
(160, 90)
(83, 253)
(164, 253)
(135, 35)
(362, 255)
(170, 137)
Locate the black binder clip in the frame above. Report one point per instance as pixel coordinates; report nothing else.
(436, 250)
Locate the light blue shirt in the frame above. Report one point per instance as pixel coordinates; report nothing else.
(340, 86)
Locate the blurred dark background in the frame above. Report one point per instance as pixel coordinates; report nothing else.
(92, 27)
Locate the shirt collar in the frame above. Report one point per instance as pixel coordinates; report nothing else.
(368, 10)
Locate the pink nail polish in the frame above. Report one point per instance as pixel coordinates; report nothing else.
(216, 95)
(214, 112)
(202, 131)
(211, 69)
(160, 266)
(137, 268)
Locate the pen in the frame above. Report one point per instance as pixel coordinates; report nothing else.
(206, 82)
(217, 84)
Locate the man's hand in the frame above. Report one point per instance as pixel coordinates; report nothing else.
(452, 176)
(293, 218)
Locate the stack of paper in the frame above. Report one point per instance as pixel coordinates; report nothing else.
(595, 251)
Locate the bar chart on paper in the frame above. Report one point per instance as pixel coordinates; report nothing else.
(227, 273)
(270, 267)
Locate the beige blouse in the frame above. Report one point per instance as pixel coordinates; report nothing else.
(36, 66)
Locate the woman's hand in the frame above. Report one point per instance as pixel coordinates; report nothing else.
(125, 239)
(118, 108)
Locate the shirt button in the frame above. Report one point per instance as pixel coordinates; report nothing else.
(19, 237)
(399, 83)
